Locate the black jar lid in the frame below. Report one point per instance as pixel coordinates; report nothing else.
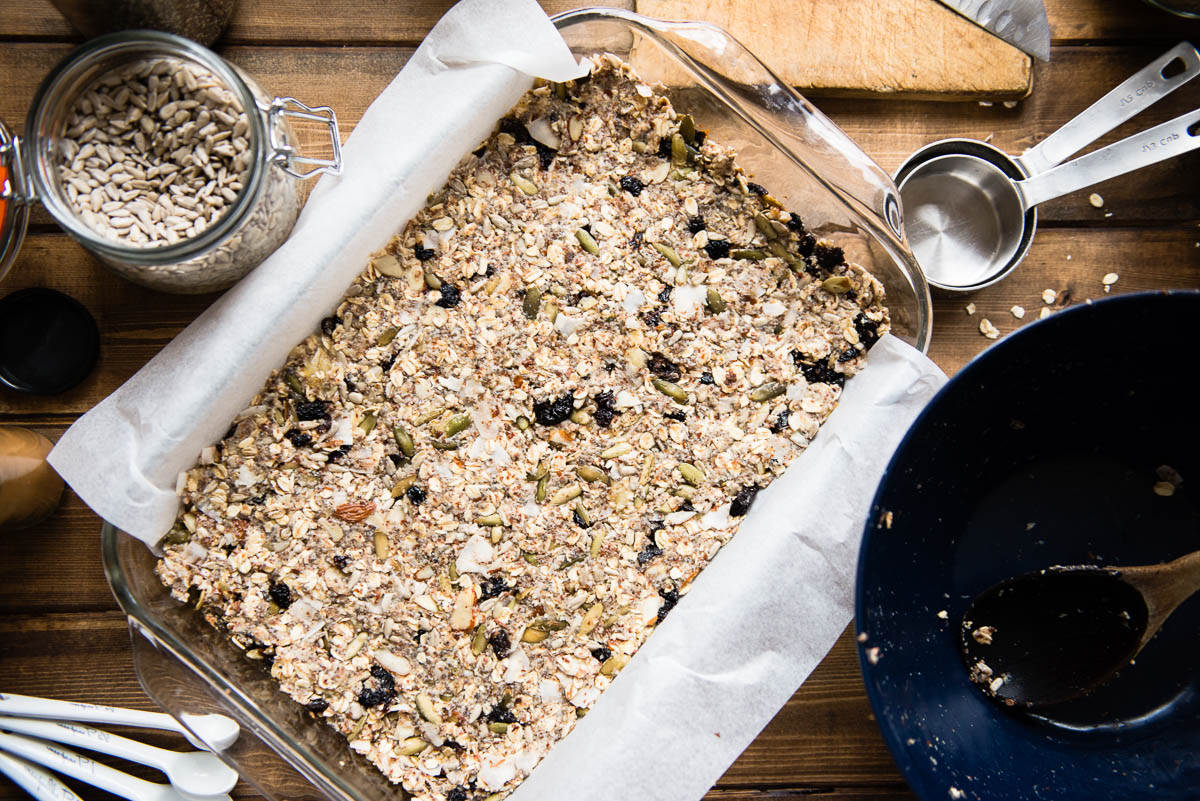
(48, 341)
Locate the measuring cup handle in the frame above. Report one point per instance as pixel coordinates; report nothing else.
(1159, 143)
(1144, 88)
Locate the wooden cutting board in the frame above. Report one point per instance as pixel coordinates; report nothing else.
(907, 49)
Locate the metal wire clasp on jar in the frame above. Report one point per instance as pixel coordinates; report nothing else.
(170, 164)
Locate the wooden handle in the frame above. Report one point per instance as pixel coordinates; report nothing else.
(1164, 587)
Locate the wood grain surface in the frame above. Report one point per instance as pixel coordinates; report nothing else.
(60, 632)
(897, 48)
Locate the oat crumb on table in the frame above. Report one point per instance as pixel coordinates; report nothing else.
(452, 516)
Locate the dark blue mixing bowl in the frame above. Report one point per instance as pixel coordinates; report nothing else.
(1041, 451)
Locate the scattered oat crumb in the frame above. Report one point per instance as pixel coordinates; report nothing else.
(1096, 200)
(970, 307)
(957, 793)
(987, 329)
(1048, 296)
(996, 684)
(1018, 311)
(944, 615)
(911, 741)
(1108, 214)
(862, 636)
(986, 103)
(1044, 313)
(988, 138)
(1010, 104)
(887, 519)
(1069, 257)
(873, 655)
(983, 634)
(1109, 279)
(1167, 473)
(1029, 526)
(1164, 488)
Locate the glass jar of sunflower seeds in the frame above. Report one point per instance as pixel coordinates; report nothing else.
(170, 164)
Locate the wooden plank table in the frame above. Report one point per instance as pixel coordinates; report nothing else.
(60, 632)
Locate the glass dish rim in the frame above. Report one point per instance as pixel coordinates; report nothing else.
(146, 622)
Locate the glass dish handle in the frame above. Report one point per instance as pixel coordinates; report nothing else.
(285, 155)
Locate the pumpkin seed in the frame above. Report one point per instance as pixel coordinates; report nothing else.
(678, 150)
(580, 417)
(540, 493)
(750, 255)
(403, 441)
(524, 184)
(453, 571)
(778, 250)
(616, 450)
(547, 624)
(587, 242)
(367, 424)
(767, 391)
(582, 512)
(671, 390)
(668, 252)
(381, 545)
(410, 747)
(640, 147)
(592, 474)
(764, 226)
(590, 619)
(573, 560)
(176, 536)
(431, 280)
(716, 304)
(444, 446)
(613, 665)
(580, 711)
(566, 494)
(551, 311)
(560, 90)
(358, 727)
(425, 708)
(532, 302)
(430, 415)
(691, 474)
(388, 265)
(490, 520)
(522, 423)
(458, 423)
(294, 384)
(837, 285)
(646, 468)
(387, 336)
(498, 728)
(478, 640)
(687, 128)
(533, 635)
(530, 558)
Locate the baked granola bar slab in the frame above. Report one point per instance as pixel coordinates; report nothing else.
(450, 519)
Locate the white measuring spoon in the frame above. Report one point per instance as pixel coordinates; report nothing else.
(69, 763)
(35, 781)
(213, 732)
(194, 773)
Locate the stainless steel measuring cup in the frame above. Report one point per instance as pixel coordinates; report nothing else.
(970, 209)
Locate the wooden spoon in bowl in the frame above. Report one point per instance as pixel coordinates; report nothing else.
(1059, 633)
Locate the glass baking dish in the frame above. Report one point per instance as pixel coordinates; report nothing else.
(801, 157)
